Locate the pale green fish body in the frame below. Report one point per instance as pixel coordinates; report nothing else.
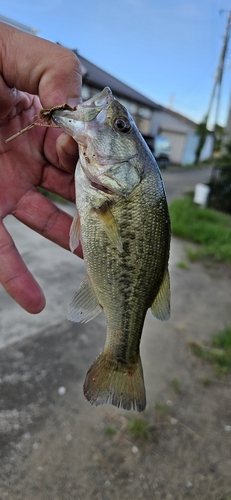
(123, 224)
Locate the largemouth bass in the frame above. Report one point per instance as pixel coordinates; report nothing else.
(123, 224)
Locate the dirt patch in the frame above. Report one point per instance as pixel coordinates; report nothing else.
(56, 446)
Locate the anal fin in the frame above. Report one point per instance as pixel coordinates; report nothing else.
(84, 305)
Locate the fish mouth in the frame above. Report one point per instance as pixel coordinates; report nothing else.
(74, 122)
(101, 100)
(84, 112)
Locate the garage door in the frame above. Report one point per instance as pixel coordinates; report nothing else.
(177, 140)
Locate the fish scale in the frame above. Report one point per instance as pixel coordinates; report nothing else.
(123, 224)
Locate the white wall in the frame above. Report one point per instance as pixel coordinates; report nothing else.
(189, 153)
(176, 129)
(177, 141)
(191, 144)
(163, 119)
(207, 149)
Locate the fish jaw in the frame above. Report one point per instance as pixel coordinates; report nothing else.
(69, 122)
(74, 122)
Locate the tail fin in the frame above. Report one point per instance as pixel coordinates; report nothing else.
(112, 382)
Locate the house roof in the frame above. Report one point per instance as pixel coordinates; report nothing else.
(97, 77)
(20, 26)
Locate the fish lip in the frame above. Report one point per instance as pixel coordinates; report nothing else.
(64, 113)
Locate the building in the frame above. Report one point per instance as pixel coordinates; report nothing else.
(181, 132)
(151, 118)
(176, 128)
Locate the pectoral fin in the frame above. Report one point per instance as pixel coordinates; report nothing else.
(110, 226)
(161, 305)
(84, 305)
(75, 232)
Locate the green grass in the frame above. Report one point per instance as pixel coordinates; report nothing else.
(206, 381)
(139, 429)
(176, 385)
(223, 339)
(218, 352)
(162, 409)
(210, 228)
(182, 264)
(110, 431)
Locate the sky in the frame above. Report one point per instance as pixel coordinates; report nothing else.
(168, 50)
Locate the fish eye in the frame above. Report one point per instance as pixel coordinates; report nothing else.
(122, 124)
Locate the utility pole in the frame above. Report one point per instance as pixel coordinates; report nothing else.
(219, 75)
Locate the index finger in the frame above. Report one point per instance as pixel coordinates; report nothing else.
(45, 69)
(16, 278)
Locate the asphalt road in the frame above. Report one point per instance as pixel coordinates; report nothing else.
(178, 180)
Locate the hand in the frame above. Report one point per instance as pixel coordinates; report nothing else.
(34, 73)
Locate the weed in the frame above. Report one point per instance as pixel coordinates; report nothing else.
(218, 352)
(199, 350)
(162, 409)
(110, 431)
(206, 381)
(182, 264)
(223, 339)
(176, 385)
(139, 429)
(192, 254)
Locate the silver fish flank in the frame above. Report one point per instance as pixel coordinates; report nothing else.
(123, 224)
